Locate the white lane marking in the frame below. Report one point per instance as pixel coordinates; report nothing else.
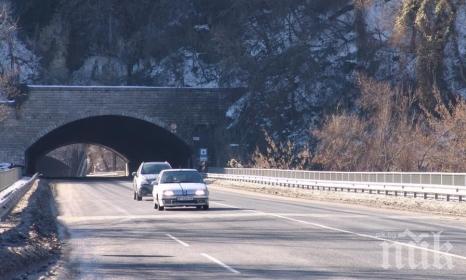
(361, 235)
(232, 206)
(223, 204)
(370, 237)
(229, 268)
(177, 240)
(212, 215)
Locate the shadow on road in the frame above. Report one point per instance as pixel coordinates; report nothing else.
(89, 179)
(215, 209)
(138, 256)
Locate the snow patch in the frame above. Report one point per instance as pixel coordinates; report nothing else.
(235, 110)
(100, 70)
(202, 27)
(460, 26)
(184, 68)
(380, 17)
(28, 64)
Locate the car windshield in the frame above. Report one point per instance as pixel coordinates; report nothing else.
(154, 168)
(181, 177)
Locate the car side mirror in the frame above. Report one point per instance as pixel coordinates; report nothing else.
(134, 174)
(155, 183)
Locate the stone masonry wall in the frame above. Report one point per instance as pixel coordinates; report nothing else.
(178, 110)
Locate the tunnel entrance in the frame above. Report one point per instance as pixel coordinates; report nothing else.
(134, 139)
(83, 160)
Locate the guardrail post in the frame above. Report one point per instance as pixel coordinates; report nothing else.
(460, 198)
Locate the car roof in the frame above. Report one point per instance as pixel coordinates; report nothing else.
(156, 162)
(173, 170)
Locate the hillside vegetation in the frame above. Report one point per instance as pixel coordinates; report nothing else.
(343, 84)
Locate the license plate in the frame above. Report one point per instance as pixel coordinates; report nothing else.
(184, 198)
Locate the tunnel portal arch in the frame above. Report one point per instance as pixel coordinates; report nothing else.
(135, 139)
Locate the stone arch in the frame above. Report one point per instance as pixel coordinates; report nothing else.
(64, 121)
(137, 139)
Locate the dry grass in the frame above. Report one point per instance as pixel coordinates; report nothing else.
(281, 155)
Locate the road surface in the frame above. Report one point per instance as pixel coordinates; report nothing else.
(251, 236)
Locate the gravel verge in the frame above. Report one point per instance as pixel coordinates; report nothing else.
(451, 208)
(29, 243)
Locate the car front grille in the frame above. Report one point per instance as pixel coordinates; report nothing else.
(182, 202)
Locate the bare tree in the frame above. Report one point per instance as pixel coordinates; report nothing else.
(342, 142)
(7, 29)
(424, 28)
(394, 132)
(282, 155)
(445, 145)
(10, 88)
(383, 136)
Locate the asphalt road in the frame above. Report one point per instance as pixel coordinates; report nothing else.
(251, 236)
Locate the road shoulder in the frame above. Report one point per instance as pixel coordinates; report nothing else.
(456, 210)
(29, 237)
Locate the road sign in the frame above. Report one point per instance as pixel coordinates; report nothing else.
(203, 154)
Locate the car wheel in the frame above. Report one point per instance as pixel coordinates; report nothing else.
(199, 207)
(157, 205)
(138, 197)
(205, 207)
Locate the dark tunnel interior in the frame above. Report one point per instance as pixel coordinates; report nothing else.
(136, 140)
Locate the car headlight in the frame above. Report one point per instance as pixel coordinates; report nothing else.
(168, 193)
(200, 192)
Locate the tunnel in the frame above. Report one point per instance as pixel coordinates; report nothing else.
(136, 140)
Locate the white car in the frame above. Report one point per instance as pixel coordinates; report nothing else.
(179, 188)
(143, 178)
(5, 165)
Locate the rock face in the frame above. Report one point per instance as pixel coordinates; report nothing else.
(297, 58)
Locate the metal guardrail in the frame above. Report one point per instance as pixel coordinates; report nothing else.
(8, 177)
(10, 196)
(428, 185)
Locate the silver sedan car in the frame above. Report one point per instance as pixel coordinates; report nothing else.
(179, 188)
(143, 178)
